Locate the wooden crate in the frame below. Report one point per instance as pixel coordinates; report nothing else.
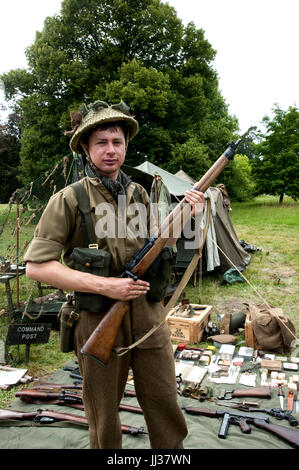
(189, 330)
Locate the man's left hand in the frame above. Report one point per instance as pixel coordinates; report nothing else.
(197, 201)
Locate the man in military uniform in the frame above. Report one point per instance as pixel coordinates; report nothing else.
(102, 132)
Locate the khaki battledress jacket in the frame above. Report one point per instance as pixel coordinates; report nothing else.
(59, 231)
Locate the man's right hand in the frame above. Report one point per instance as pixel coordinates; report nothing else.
(57, 275)
(124, 288)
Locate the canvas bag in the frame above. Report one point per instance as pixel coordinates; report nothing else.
(272, 329)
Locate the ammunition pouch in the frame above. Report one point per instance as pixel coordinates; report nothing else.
(158, 275)
(67, 320)
(93, 261)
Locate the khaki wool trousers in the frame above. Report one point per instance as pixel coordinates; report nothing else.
(155, 386)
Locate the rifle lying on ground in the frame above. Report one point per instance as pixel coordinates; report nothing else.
(100, 344)
(64, 398)
(48, 386)
(51, 387)
(262, 422)
(49, 417)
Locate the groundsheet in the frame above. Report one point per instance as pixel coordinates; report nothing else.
(203, 431)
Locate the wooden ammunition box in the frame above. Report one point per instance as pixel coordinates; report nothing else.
(189, 329)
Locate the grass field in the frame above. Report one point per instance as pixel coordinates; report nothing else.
(273, 271)
(273, 274)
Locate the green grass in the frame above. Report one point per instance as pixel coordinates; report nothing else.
(273, 272)
(44, 359)
(266, 210)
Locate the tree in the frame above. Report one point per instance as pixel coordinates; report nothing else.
(9, 157)
(138, 51)
(238, 179)
(249, 141)
(192, 156)
(276, 168)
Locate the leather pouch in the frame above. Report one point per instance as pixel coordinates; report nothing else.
(67, 324)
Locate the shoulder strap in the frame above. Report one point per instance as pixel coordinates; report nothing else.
(84, 207)
(137, 194)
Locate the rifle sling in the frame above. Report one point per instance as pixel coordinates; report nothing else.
(184, 281)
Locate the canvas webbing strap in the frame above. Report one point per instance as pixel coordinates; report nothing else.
(184, 281)
(84, 207)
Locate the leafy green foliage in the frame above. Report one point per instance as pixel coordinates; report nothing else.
(276, 168)
(192, 156)
(238, 178)
(9, 157)
(138, 51)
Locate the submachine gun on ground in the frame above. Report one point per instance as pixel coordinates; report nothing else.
(243, 420)
(100, 343)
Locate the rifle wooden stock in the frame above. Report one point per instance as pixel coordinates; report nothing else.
(100, 343)
(289, 435)
(64, 399)
(42, 415)
(44, 396)
(48, 386)
(258, 392)
(130, 408)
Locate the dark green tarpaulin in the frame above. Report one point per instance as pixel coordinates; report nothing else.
(202, 430)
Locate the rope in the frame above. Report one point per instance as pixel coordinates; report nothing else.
(249, 283)
(25, 313)
(255, 290)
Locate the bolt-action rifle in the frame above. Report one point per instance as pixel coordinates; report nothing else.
(49, 417)
(243, 420)
(100, 343)
(65, 398)
(52, 387)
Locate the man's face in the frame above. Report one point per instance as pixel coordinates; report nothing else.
(107, 150)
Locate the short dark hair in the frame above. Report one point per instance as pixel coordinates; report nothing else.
(107, 125)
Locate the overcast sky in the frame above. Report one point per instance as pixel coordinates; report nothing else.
(256, 43)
